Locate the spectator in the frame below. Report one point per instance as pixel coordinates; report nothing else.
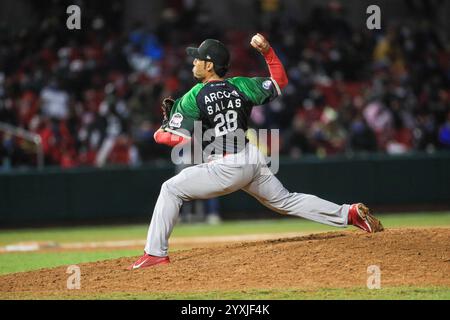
(361, 136)
(296, 142)
(444, 133)
(55, 101)
(94, 95)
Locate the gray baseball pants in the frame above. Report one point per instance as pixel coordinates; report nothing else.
(246, 171)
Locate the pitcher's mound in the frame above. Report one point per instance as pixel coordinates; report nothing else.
(419, 257)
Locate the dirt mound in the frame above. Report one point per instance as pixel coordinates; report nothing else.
(419, 257)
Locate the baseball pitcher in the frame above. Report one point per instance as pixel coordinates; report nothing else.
(222, 107)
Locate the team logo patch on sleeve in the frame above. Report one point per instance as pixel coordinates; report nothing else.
(267, 84)
(175, 121)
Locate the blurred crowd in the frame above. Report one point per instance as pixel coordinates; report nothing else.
(93, 95)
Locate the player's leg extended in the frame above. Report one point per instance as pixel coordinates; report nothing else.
(270, 192)
(203, 181)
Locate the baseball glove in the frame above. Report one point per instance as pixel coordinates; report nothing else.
(166, 107)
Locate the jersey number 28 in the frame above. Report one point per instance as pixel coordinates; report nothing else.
(225, 122)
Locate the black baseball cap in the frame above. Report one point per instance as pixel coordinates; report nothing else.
(211, 50)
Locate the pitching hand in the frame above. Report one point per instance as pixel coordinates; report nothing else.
(260, 43)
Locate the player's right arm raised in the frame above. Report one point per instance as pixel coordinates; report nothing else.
(277, 72)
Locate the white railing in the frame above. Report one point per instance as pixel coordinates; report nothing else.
(29, 136)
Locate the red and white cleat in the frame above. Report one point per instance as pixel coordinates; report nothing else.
(148, 261)
(359, 216)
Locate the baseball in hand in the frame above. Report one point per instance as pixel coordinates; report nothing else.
(260, 43)
(257, 39)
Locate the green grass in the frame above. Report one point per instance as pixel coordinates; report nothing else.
(19, 261)
(103, 233)
(388, 293)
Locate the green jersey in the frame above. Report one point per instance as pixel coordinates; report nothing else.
(220, 110)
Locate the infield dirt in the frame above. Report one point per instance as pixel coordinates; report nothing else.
(406, 257)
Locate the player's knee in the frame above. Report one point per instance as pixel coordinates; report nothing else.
(168, 187)
(281, 204)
